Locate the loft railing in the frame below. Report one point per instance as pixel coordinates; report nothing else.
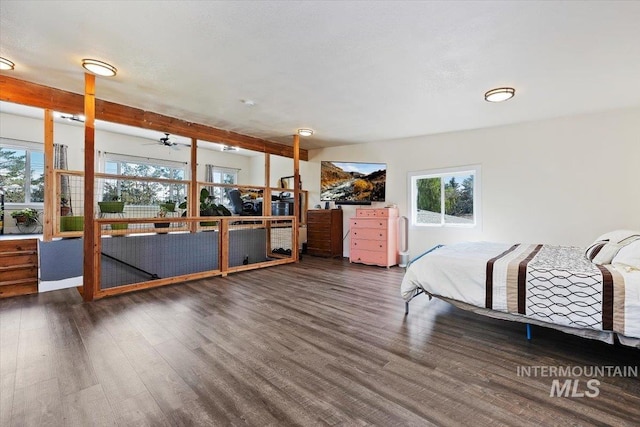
(144, 197)
(221, 245)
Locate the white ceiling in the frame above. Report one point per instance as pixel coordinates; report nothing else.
(353, 71)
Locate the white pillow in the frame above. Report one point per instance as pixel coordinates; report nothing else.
(618, 235)
(592, 251)
(628, 257)
(605, 248)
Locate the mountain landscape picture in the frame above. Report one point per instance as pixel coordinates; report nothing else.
(352, 182)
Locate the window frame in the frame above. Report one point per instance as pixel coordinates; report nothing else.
(28, 147)
(442, 173)
(222, 194)
(225, 170)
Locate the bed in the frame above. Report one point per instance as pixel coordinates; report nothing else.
(592, 292)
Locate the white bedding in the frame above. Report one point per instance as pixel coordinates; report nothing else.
(561, 286)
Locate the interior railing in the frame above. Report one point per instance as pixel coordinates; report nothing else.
(221, 245)
(156, 243)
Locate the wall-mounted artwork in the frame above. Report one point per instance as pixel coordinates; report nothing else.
(352, 183)
(286, 182)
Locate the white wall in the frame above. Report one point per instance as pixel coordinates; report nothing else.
(561, 181)
(279, 166)
(283, 166)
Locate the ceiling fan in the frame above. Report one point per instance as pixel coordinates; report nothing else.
(166, 141)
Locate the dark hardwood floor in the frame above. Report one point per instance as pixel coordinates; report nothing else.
(321, 342)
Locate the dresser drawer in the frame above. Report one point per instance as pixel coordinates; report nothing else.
(320, 252)
(368, 257)
(324, 232)
(369, 223)
(319, 229)
(321, 221)
(318, 246)
(368, 245)
(315, 236)
(377, 213)
(369, 233)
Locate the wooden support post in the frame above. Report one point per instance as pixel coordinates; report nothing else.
(193, 205)
(96, 232)
(90, 272)
(296, 194)
(50, 216)
(223, 246)
(266, 199)
(266, 196)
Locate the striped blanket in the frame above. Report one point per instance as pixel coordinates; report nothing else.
(553, 284)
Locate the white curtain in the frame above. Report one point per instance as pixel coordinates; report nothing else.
(99, 183)
(208, 176)
(60, 161)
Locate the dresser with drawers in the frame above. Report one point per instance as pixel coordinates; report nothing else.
(324, 232)
(374, 237)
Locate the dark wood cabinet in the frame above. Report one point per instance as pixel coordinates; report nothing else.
(324, 232)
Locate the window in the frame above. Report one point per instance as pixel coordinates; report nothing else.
(140, 192)
(22, 171)
(223, 176)
(446, 197)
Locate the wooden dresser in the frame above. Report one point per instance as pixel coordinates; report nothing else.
(374, 237)
(324, 232)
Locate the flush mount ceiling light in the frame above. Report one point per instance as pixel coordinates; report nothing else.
(500, 94)
(70, 117)
(98, 67)
(5, 64)
(305, 132)
(73, 118)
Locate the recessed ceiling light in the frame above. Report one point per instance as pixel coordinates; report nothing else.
(98, 67)
(5, 64)
(305, 132)
(500, 94)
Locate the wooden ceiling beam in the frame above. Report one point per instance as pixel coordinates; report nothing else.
(35, 95)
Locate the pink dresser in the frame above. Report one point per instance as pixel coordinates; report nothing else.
(374, 237)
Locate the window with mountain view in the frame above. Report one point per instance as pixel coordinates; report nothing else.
(445, 197)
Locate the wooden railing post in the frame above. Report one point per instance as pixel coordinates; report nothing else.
(296, 192)
(193, 201)
(50, 206)
(90, 271)
(266, 199)
(96, 255)
(223, 246)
